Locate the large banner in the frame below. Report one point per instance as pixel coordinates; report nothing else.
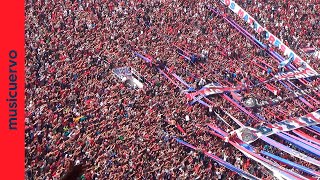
(267, 35)
(218, 160)
(249, 135)
(290, 151)
(210, 89)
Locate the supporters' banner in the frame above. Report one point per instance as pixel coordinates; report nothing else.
(304, 73)
(252, 153)
(252, 102)
(218, 160)
(307, 137)
(297, 138)
(292, 164)
(297, 74)
(264, 32)
(210, 89)
(277, 170)
(249, 135)
(310, 119)
(129, 76)
(122, 72)
(300, 145)
(290, 151)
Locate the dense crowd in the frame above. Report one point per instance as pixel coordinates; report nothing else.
(78, 112)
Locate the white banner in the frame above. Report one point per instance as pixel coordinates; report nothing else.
(210, 89)
(248, 134)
